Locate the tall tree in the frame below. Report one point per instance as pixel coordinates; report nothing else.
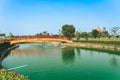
(104, 34)
(68, 30)
(11, 35)
(90, 34)
(77, 35)
(45, 33)
(95, 33)
(60, 33)
(85, 35)
(115, 31)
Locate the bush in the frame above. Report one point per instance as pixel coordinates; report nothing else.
(9, 75)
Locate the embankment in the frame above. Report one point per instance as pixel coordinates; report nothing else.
(99, 46)
(4, 48)
(4, 45)
(8, 75)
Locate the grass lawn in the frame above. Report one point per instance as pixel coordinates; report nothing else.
(115, 41)
(99, 39)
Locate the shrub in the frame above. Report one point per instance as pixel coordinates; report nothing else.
(9, 75)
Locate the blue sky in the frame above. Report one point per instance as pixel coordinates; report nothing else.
(25, 17)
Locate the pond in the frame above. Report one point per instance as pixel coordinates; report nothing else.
(49, 62)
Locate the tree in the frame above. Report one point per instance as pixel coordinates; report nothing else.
(45, 33)
(104, 34)
(68, 30)
(90, 35)
(77, 35)
(84, 35)
(60, 33)
(11, 35)
(95, 33)
(115, 31)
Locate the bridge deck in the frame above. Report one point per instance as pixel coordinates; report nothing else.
(37, 39)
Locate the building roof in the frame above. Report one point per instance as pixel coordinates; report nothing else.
(99, 29)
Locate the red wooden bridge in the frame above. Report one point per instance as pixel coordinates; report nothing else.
(21, 39)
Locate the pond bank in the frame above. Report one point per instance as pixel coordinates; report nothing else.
(111, 47)
(5, 74)
(4, 45)
(4, 48)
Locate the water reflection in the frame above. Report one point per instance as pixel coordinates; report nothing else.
(77, 51)
(68, 55)
(113, 61)
(26, 51)
(73, 63)
(35, 51)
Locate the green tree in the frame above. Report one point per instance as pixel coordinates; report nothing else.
(104, 34)
(84, 35)
(115, 31)
(45, 33)
(90, 35)
(95, 33)
(11, 35)
(77, 35)
(60, 33)
(68, 30)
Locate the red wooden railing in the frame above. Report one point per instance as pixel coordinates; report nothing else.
(35, 37)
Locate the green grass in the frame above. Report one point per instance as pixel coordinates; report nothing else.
(99, 39)
(115, 41)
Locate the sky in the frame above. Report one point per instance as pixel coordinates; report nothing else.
(28, 17)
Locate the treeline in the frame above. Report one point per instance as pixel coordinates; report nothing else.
(70, 31)
(93, 34)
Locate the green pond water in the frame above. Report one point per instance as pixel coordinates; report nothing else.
(49, 62)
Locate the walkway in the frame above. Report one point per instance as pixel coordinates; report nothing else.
(20, 39)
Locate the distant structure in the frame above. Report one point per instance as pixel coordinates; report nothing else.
(2, 35)
(101, 30)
